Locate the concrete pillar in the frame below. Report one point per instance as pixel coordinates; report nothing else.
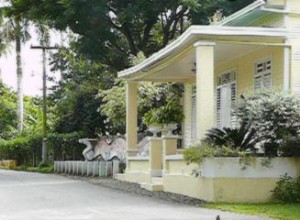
(169, 147)
(205, 87)
(295, 67)
(187, 123)
(155, 157)
(287, 68)
(131, 117)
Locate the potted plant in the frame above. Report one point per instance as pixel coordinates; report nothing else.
(170, 115)
(151, 119)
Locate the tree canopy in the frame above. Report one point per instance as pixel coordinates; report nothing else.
(110, 31)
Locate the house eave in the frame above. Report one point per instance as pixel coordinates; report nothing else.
(255, 5)
(198, 30)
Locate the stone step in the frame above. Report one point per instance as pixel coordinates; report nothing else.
(152, 187)
(120, 176)
(157, 180)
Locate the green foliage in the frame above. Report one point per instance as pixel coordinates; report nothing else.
(151, 118)
(46, 168)
(109, 31)
(243, 137)
(273, 115)
(270, 119)
(114, 106)
(197, 154)
(21, 149)
(74, 100)
(26, 150)
(287, 190)
(171, 113)
(122, 167)
(272, 210)
(8, 111)
(8, 114)
(66, 146)
(290, 147)
(150, 96)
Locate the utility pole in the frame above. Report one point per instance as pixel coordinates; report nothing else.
(44, 144)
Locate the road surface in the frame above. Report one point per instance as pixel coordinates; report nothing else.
(32, 196)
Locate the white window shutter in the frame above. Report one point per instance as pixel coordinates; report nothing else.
(225, 99)
(193, 114)
(218, 107)
(258, 82)
(267, 81)
(233, 101)
(263, 75)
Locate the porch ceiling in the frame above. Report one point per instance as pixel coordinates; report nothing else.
(180, 68)
(175, 62)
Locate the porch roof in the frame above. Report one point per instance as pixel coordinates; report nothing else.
(169, 63)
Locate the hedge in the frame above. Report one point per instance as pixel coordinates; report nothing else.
(27, 150)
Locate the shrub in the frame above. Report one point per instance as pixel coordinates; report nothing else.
(272, 115)
(65, 146)
(21, 149)
(171, 113)
(27, 150)
(197, 154)
(243, 137)
(290, 147)
(151, 118)
(287, 190)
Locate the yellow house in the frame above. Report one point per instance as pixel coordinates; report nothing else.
(256, 47)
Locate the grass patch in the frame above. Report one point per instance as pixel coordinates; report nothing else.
(39, 169)
(274, 210)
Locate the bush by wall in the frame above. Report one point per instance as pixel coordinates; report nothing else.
(27, 150)
(287, 190)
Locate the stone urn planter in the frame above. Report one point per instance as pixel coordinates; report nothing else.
(154, 129)
(170, 128)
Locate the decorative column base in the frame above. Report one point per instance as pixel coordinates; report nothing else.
(155, 157)
(169, 147)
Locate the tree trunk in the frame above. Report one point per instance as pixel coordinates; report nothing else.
(19, 82)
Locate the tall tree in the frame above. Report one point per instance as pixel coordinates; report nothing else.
(112, 30)
(15, 29)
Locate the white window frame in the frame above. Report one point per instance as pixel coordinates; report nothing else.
(262, 74)
(219, 86)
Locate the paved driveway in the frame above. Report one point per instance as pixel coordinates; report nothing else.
(30, 196)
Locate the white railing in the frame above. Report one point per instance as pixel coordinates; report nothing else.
(87, 168)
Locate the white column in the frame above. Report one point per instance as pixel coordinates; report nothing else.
(187, 114)
(287, 68)
(205, 87)
(131, 117)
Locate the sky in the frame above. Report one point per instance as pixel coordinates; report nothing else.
(31, 63)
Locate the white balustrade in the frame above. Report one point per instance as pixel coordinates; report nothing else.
(87, 168)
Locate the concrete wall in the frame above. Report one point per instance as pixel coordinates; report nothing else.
(228, 180)
(138, 165)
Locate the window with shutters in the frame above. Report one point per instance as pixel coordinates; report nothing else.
(193, 114)
(225, 99)
(263, 75)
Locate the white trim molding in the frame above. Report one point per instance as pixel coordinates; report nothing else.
(204, 43)
(255, 5)
(208, 31)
